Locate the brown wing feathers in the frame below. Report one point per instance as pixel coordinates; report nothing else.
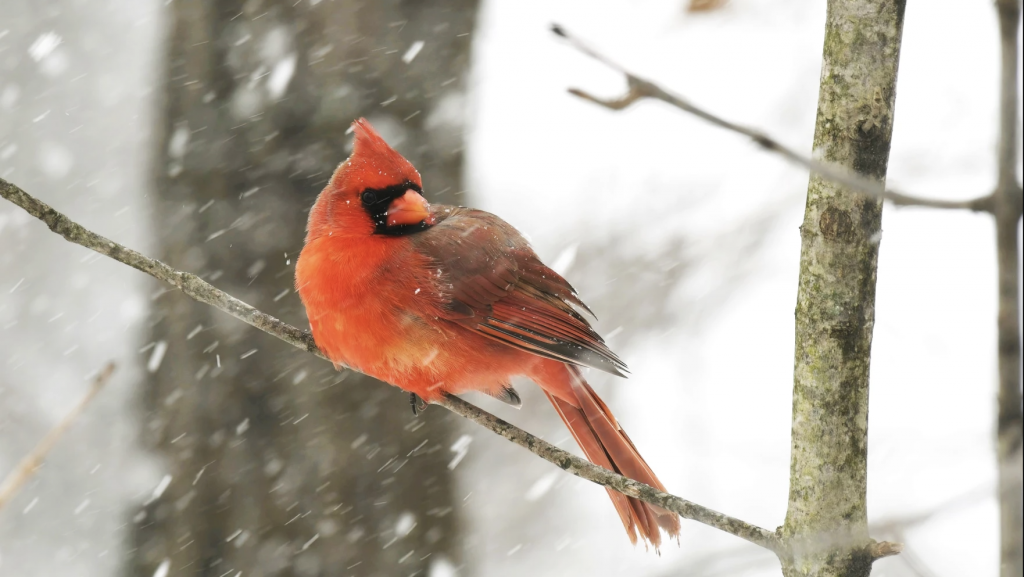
(552, 324)
(493, 274)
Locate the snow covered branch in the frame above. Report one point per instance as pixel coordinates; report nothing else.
(640, 89)
(200, 290)
(27, 467)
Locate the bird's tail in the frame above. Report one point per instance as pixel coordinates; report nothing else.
(607, 445)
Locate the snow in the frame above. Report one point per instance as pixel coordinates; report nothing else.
(62, 140)
(413, 50)
(461, 448)
(156, 357)
(442, 567)
(405, 524)
(81, 507)
(44, 50)
(178, 143)
(31, 505)
(312, 540)
(565, 171)
(44, 45)
(650, 180)
(158, 491)
(281, 76)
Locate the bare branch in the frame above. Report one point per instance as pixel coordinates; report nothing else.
(882, 549)
(1009, 23)
(1007, 206)
(188, 283)
(602, 476)
(204, 292)
(639, 89)
(17, 478)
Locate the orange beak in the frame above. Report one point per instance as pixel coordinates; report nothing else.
(410, 208)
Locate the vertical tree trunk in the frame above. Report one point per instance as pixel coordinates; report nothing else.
(826, 524)
(278, 465)
(1007, 214)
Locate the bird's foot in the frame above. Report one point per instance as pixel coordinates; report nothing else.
(418, 404)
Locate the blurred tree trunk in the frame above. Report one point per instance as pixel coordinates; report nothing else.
(278, 465)
(826, 524)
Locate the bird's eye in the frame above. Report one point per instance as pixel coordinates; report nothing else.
(369, 197)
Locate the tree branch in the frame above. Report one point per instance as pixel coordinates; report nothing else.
(27, 467)
(835, 307)
(1007, 208)
(602, 476)
(639, 89)
(894, 527)
(204, 292)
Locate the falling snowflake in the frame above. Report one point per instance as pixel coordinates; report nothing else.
(281, 76)
(412, 51)
(44, 45)
(460, 448)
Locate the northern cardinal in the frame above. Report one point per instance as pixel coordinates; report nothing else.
(436, 299)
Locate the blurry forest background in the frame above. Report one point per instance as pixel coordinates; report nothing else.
(200, 132)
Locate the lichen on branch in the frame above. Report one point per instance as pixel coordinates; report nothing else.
(835, 309)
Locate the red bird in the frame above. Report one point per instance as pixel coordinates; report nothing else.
(437, 299)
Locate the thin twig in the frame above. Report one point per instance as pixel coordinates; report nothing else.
(204, 292)
(639, 89)
(17, 478)
(883, 549)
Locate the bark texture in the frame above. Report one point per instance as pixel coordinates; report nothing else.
(278, 464)
(1007, 211)
(825, 532)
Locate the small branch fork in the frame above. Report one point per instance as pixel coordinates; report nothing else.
(28, 466)
(200, 290)
(640, 89)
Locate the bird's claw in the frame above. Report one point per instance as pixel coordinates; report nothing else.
(418, 404)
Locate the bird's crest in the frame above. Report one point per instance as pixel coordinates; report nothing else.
(373, 164)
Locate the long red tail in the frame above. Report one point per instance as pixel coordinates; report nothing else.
(607, 445)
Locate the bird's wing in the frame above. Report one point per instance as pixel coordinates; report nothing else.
(492, 282)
